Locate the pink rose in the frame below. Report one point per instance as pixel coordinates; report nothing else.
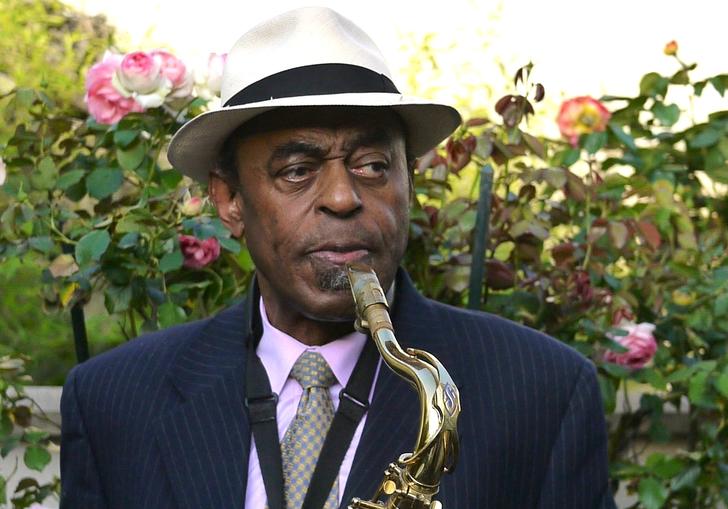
(176, 72)
(198, 253)
(191, 206)
(215, 68)
(639, 342)
(581, 115)
(105, 103)
(140, 72)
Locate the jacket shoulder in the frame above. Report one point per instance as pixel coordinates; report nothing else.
(482, 334)
(155, 351)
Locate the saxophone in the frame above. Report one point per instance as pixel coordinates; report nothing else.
(413, 480)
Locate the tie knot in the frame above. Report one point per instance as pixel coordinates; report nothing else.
(312, 370)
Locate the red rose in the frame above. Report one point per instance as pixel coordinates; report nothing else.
(581, 115)
(198, 253)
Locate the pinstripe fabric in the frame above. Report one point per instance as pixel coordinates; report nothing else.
(160, 422)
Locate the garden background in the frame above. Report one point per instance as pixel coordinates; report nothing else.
(612, 217)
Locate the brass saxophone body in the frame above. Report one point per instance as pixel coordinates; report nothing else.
(413, 480)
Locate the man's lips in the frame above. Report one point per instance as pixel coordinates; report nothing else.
(339, 256)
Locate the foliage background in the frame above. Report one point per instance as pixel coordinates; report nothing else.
(633, 220)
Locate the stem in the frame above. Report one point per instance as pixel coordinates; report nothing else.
(132, 323)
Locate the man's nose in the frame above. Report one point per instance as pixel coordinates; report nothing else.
(338, 194)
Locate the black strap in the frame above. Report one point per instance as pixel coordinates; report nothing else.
(316, 79)
(261, 402)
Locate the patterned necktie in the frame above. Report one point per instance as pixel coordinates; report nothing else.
(305, 436)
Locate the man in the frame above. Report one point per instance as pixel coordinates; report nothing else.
(310, 161)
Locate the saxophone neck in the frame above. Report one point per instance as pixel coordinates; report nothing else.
(436, 447)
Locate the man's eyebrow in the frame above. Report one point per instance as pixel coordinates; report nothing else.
(297, 147)
(374, 137)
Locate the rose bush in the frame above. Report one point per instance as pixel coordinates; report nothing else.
(620, 224)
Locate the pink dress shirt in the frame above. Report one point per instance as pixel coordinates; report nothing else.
(278, 352)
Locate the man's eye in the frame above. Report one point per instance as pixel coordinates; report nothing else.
(371, 170)
(296, 173)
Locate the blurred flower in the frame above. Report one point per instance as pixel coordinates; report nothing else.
(191, 206)
(639, 342)
(140, 72)
(215, 67)
(36, 505)
(105, 103)
(499, 275)
(623, 314)
(582, 291)
(198, 253)
(670, 48)
(581, 115)
(459, 152)
(3, 173)
(172, 68)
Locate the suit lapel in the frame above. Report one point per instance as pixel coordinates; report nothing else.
(393, 417)
(205, 439)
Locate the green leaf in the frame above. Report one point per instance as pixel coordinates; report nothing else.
(609, 394)
(652, 493)
(171, 314)
(45, 175)
(697, 389)
(616, 370)
(170, 178)
(571, 156)
(6, 425)
(686, 479)
(69, 178)
(24, 97)
(171, 261)
(34, 436)
(720, 306)
(666, 114)
(594, 142)
(130, 159)
(92, 246)
(43, 244)
(36, 457)
(244, 260)
(102, 182)
(124, 137)
(704, 138)
(721, 383)
(230, 244)
(117, 298)
(622, 136)
(652, 84)
(128, 240)
(664, 467)
(720, 83)
(680, 78)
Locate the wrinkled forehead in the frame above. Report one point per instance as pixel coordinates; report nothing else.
(380, 122)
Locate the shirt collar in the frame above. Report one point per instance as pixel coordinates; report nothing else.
(278, 352)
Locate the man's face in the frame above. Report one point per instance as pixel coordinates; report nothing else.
(319, 188)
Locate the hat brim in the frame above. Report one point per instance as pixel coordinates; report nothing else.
(195, 148)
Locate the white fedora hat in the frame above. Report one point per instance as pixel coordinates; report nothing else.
(311, 56)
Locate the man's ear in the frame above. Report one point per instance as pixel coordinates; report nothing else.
(228, 202)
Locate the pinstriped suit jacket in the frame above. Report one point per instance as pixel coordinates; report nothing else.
(160, 421)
